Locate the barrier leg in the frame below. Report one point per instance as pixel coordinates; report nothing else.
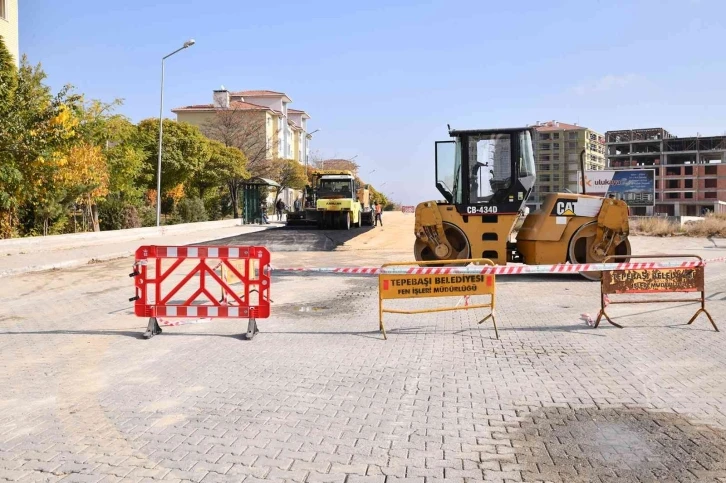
(607, 317)
(698, 312)
(251, 328)
(152, 329)
(703, 309)
(381, 327)
(494, 321)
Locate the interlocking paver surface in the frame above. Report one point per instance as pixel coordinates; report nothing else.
(319, 396)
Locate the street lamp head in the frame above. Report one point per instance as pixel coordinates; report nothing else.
(189, 43)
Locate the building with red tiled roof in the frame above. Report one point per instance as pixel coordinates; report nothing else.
(557, 147)
(282, 129)
(260, 122)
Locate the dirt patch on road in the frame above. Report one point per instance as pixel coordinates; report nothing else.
(611, 444)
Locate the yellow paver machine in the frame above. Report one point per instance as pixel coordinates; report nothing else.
(486, 177)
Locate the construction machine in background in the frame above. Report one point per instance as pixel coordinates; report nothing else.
(367, 215)
(334, 200)
(486, 177)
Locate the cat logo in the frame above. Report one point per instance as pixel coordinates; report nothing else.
(577, 207)
(565, 208)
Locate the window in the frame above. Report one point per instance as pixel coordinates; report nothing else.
(571, 145)
(545, 167)
(710, 195)
(2, 9)
(555, 167)
(544, 136)
(544, 157)
(555, 135)
(490, 165)
(448, 170)
(673, 184)
(688, 183)
(673, 171)
(711, 170)
(526, 156)
(572, 135)
(545, 146)
(544, 178)
(710, 183)
(556, 157)
(555, 145)
(673, 196)
(688, 195)
(688, 171)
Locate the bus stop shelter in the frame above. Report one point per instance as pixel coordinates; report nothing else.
(253, 195)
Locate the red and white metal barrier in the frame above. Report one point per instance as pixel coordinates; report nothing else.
(186, 287)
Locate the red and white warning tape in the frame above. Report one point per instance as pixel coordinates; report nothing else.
(501, 270)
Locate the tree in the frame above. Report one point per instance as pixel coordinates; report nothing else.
(84, 176)
(246, 131)
(289, 174)
(337, 164)
(225, 166)
(185, 150)
(37, 130)
(125, 162)
(10, 176)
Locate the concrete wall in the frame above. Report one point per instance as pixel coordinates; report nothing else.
(17, 245)
(9, 29)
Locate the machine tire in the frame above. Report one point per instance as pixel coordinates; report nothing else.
(346, 221)
(456, 238)
(575, 249)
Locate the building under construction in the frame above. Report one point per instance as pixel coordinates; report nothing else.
(557, 147)
(690, 173)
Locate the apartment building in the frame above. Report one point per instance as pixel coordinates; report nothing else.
(9, 27)
(265, 119)
(261, 123)
(557, 147)
(690, 172)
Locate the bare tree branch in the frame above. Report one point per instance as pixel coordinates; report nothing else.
(246, 131)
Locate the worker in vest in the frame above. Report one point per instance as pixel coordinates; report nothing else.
(378, 214)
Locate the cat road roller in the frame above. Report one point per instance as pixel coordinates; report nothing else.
(485, 177)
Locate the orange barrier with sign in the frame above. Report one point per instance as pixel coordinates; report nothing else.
(651, 280)
(417, 285)
(185, 287)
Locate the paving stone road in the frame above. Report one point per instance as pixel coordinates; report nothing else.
(318, 396)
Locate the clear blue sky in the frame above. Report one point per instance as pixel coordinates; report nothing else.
(381, 79)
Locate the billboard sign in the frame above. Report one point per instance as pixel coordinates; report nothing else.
(634, 186)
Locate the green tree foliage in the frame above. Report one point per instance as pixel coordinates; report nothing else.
(191, 210)
(289, 174)
(36, 129)
(185, 150)
(225, 166)
(10, 176)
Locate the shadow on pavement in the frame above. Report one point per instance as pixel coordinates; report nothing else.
(292, 239)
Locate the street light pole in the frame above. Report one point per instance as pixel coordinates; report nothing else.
(187, 44)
